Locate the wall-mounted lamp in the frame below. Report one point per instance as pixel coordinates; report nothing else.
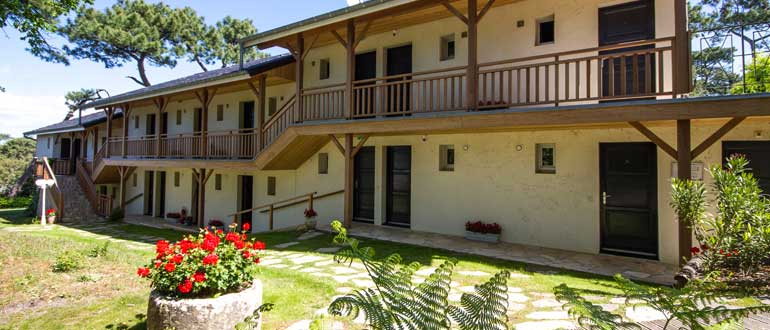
(519, 147)
(395, 32)
(758, 134)
(424, 138)
(466, 147)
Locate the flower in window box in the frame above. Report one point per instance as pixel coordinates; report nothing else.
(310, 213)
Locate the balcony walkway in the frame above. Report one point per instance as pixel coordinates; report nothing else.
(637, 269)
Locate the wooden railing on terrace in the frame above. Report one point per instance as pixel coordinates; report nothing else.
(101, 204)
(61, 166)
(620, 72)
(270, 208)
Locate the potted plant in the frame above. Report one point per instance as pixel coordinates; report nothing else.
(183, 215)
(204, 281)
(484, 232)
(216, 224)
(50, 216)
(310, 221)
(173, 215)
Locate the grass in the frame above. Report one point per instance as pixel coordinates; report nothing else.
(106, 293)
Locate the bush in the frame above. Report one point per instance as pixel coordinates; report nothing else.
(483, 228)
(67, 261)
(737, 237)
(32, 206)
(204, 265)
(14, 202)
(99, 250)
(117, 214)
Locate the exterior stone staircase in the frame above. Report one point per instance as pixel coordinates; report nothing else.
(76, 205)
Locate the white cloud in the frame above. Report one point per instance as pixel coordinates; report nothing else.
(22, 113)
(354, 2)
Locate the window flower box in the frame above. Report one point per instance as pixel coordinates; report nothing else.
(483, 232)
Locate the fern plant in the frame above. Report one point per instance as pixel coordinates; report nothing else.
(696, 306)
(396, 303)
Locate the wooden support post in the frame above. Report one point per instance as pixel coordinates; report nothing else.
(681, 49)
(270, 219)
(310, 201)
(473, 69)
(109, 112)
(350, 52)
(126, 120)
(123, 172)
(348, 180)
(262, 108)
(684, 160)
(160, 104)
(299, 72)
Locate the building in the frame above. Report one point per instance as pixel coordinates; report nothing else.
(563, 121)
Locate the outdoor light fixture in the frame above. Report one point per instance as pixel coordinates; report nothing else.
(519, 147)
(466, 147)
(424, 138)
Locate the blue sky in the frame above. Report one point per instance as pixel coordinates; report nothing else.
(35, 89)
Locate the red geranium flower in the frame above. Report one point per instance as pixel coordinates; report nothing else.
(161, 247)
(246, 227)
(170, 267)
(704, 247)
(246, 254)
(177, 258)
(239, 245)
(721, 251)
(232, 237)
(143, 272)
(185, 287)
(219, 232)
(186, 245)
(210, 259)
(259, 245)
(199, 277)
(158, 263)
(256, 260)
(210, 242)
(694, 250)
(729, 254)
(735, 252)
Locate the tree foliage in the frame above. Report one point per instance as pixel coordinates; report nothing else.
(396, 303)
(15, 156)
(757, 78)
(148, 34)
(75, 99)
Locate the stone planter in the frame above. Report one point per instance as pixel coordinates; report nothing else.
(223, 312)
(51, 220)
(473, 236)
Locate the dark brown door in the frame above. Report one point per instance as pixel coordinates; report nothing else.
(149, 192)
(65, 148)
(618, 24)
(758, 154)
(366, 68)
(164, 123)
(150, 128)
(628, 199)
(247, 198)
(399, 186)
(161, 195)
(363, 185)
(399, 62)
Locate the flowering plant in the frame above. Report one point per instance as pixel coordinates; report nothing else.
(310, 213)
(205, 264)
(50, 213)
(483, 228)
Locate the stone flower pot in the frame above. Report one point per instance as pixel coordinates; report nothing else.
(223, 312)
(51, 219)
(474, 236)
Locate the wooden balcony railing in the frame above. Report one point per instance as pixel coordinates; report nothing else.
(61, 166)
(628, 71)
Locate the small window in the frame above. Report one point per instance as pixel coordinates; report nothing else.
(272, 106)
(545, 31)
(176, 179)
(217, 181)
(323, 69)
(220, 112)
(179, 117)
(323, 163)
(448, 47)
(545, 158)
(447, 158)
(136, 122)
(271, 186)
(134, 180)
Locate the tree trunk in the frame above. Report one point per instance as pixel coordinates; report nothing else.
(142, 73)
(200, 64)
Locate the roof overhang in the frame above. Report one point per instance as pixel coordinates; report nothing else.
(55, 131)
(331, 18)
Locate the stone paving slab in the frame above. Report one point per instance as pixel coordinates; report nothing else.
(285, 245)
(609, 265)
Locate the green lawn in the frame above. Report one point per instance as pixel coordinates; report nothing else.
(106, 293)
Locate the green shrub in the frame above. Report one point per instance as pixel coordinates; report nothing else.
(32, 205)
(99, 250)
(737, 236)
(117, 214)
(14, 202)
(67, 261)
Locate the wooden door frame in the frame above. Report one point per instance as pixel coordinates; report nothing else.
(388, 190)
(355, 189)
(653, 197)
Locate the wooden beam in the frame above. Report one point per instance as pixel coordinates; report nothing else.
(339, 38)
(360, 145)
(362, 36)
(349, 164)
(206, 180)
(337, 143)
(473, 68)
(454, 11)
(485, 9)
(262, 110)
(681, 49)
(726, 128)
(684, 163)
(310, 46)
(654, 138)
(351, 68)
(254, 89)
(292, 51)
